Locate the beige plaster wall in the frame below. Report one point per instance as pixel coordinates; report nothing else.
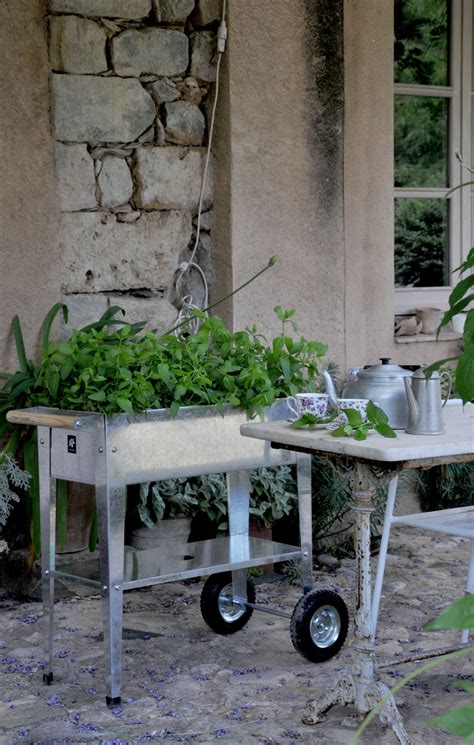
(280, 169)
(28, 208)
(368, 193)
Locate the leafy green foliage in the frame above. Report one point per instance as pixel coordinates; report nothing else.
(356, 427)
(459, 299)
(311, 420)
(114, 370)
(459, 721)
(446, 487)
(421, 42)
(459, 615)
(166, 499)
(109, 367)
(420, 242)
(272, 495)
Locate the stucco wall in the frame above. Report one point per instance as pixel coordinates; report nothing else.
(29, 282)
(283, 166)
(305, 171)
(368, 192)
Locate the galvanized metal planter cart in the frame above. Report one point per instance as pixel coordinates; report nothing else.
(111, 452)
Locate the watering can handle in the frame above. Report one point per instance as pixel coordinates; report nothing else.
(450, 385)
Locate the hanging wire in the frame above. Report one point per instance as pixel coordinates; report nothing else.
(186, 303)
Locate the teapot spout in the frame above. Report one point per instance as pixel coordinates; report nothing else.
(330, 390)
(413, 407)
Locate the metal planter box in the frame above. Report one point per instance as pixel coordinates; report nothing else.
(111, 452)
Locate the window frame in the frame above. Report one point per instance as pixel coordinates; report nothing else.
(460, 136)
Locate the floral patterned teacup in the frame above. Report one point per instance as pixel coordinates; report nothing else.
(312, 403)
(359, 404)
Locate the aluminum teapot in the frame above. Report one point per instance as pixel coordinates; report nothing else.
(384, 385)
(425, 405)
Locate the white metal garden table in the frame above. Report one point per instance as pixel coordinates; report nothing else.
(369, 463)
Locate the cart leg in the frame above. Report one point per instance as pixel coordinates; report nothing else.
(111, 518)
(238, 490)
(303, 474)
(47, 488)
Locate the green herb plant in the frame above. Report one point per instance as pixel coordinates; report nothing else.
(113, 367)
(356, 426)
(461, 297)
(118, 370)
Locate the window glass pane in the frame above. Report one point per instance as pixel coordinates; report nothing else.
(421, 243)
(421, 141)
(422, 42)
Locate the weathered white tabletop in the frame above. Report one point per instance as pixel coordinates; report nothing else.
(368, 462)
(458, 440)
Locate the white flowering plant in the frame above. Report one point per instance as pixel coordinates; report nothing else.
(11, 477)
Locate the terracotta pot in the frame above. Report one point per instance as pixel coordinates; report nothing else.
(79, 515)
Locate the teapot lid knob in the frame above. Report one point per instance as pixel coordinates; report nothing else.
(385, 360)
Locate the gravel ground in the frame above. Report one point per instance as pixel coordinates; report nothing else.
(184, 684)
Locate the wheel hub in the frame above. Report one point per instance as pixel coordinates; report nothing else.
(325, 626)
(231, 610)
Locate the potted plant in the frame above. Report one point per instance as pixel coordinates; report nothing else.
(110, 367)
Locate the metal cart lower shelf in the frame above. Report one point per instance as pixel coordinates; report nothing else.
(112, 452)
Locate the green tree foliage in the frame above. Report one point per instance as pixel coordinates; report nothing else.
(421, 54)
(421, 243)
(421, 42)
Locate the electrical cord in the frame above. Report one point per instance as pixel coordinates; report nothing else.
(186, 302)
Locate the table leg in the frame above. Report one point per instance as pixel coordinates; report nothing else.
(47, 489)
(359, 686)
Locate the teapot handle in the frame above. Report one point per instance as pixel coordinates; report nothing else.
(450, 385)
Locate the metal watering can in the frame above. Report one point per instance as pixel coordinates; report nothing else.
(425, 403)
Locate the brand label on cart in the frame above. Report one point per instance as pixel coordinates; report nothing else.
(71, 444)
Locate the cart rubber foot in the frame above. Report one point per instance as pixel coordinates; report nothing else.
(113, 700)
(48, 678)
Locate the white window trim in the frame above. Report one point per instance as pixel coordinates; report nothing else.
(460, 136)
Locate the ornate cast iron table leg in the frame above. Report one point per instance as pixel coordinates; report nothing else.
(359, 686)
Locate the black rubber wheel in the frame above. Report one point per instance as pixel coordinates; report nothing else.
(319, 625)
(217, 608)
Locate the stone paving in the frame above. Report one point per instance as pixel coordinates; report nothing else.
(184, 684)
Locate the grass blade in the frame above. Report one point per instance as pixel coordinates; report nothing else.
(20, 344)
(48, 322)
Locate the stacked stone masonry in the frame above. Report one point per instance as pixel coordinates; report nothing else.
(131, 84)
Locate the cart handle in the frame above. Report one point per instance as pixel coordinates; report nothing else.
(41, 419)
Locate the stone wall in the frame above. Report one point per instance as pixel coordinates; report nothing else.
(131, 85)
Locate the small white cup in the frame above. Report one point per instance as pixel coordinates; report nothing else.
(312, 403)
(430, 318)
(359, 404)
